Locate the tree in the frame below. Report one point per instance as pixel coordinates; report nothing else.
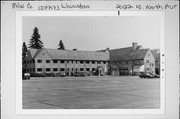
(35, 42)
(24, 50)
(24, 53)
(61, 45)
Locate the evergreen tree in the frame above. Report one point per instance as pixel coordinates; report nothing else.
(24, 50)
(61, 45)
(35, 42)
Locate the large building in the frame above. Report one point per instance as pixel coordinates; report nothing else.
(131, 60)
(124, 61)
(67, 61)
(156, 54)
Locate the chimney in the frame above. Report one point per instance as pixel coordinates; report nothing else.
(134, 46)
(107, 50)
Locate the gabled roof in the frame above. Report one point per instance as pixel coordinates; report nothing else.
(71, 55)
(34, 52)
(127, 53)
(156, 54)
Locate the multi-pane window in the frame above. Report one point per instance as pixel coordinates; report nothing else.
(81, 62)
(62, 61)
(98, 62)
(81, 69)
(55, 69)
(61, 69)
(93, 69)
(87, 62)
(55, 61)
(48, 69)
(93, 62)
(39, 61)
(39, 69)
(87, 69)
(47, 61)
(104, 62)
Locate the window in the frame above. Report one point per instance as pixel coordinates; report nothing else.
(55, 69)
(104, 62)
(61, 69)
(62, 61)
(81, 69)
(48, 69)
(87, 62)
(47, 61)
(39, 61)
(98, 62)
(67, 69)
(39, 69)
(137, 62)
(81, 62)
(93, 69)
(147, 61)
(152, 64)
(87, 69)
(55, 61)
(147, 69)
(93, 62)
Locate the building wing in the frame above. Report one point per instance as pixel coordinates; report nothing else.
(127, 54)
(71, 55)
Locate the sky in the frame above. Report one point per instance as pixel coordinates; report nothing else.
(93, 33)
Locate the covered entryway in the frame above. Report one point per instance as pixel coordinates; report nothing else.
(100, 71)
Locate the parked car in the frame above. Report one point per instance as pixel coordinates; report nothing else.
(26, 76)
(61, 74)
(145, 75)
(155, 75)
(38, 75)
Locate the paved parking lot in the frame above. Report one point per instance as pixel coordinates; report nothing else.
(125, 92)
